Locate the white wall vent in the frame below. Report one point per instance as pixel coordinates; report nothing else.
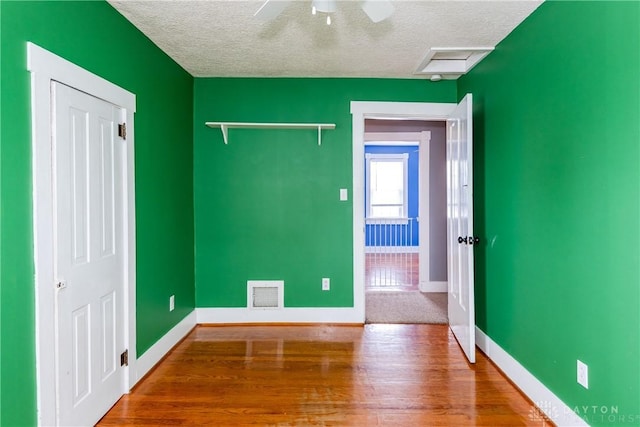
(265, 294)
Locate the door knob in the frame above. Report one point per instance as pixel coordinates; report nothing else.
(469, 240)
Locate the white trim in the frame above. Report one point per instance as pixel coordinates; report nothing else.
(390, 143)
(160, 348)
(545, 399)
(387, 156)
(387, 221)
(286, 315)
(433, 287)
(46, 67)
(402, 110)
(424, 208)
(377, 110)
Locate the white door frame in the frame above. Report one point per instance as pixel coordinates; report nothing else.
(424, 159)
(46, 67)
(361, 110)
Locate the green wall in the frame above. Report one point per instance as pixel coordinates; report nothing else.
(557, 186)
(96, 37)
(266, 204)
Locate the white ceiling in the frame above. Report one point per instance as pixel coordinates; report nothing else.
(222, 38)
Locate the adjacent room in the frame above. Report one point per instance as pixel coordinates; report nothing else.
(201, 200)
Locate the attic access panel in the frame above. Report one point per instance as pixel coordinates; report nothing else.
(451, 62)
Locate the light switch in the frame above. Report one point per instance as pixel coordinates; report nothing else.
(344, 195)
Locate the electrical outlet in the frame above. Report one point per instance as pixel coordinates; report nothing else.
(583, 374)
(326, 284)
(172, 302)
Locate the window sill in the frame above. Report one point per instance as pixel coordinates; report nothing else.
(386, 221)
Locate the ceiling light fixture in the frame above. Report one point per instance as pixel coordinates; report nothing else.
(324, 6)
(376, 10)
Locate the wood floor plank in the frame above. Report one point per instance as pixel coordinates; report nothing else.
(376, 375)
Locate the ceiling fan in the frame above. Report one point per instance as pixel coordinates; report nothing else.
(377, 10)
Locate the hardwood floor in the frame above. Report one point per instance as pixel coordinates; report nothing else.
(395, 375)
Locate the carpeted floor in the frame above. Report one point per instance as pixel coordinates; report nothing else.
(406, 307)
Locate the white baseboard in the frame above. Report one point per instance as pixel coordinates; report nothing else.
(285, 315)
(433, 287)
(157, 351)
(546, 401)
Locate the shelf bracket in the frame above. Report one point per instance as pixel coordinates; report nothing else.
(319, 135)
(225, 133)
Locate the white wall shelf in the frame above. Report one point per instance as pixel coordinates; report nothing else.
(225, 126)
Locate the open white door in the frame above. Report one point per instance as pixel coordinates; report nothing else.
(460, 238)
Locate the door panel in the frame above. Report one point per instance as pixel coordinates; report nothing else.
(107, 204)
(89, 257)
(78, 184)
(460, 226)
(81, 378)
(109, 335)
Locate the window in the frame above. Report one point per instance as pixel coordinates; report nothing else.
(386, 184)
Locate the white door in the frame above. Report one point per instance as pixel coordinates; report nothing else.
(89, 255)
(460, 238)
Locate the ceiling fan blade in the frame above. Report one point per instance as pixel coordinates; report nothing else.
(378, 10)
(270, 9)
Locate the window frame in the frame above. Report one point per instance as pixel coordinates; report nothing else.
(389, 157)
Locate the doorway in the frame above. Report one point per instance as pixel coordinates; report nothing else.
(459, 181)
(405, 220)
(405, 204)
(362, 111)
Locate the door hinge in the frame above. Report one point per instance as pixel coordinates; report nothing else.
(124, 358)
(122, 131)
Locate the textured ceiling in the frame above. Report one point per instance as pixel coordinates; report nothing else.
(222, 38)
